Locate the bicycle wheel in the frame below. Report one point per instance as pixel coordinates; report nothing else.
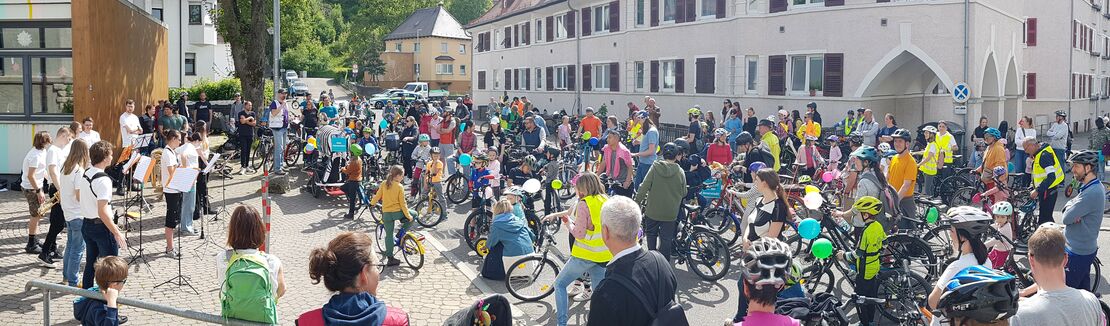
(566, 174)
(947, 187)
(904, 292)
(1096, 268)
(939, 241)
(817, 279)
(531, 278)
(379, 238)
(458, 189)
(900, 249)
(961, 197)
(259, 153)
(293, 152)
(412, 252)
(476, 227)
(708, 255)
(716, 218)
(429, 215)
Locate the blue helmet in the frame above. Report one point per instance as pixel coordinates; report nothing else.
(993, 133)
(866, 153)
(981, 294)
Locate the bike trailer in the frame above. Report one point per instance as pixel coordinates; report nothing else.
(392, 142)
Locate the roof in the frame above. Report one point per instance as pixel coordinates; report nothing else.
(435, 21)
(507, 8)
(445, 58)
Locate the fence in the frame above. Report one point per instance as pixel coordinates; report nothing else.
(48, 289)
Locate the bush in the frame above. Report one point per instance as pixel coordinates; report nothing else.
(220, 90)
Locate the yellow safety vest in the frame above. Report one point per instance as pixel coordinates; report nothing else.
(591, 247)
(929, 164)
(772, 142)
(944, 143)
(1040, 172)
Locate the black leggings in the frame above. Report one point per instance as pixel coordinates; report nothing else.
(173, 209)
(202, 195)
(57, 224)
(350, 188)
(869, 288)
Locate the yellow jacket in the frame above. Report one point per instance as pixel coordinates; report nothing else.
(392, 198)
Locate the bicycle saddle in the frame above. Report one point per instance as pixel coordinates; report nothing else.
(691, 207)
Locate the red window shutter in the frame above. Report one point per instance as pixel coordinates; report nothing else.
(570, 77)
(570, 23)
(679, 76)
(691, 10)
(587, 29)
(832, 3)
(481, 80)
(615, 16)
(549, 79)
(654, 76)
(587, 78)
(721, 8)
(550, 25)
(1031, 31)
(777, 6)
(776, 75)
(680, 11)
(834, 75)
(614, 75)
(655, 13)
(1031, 86)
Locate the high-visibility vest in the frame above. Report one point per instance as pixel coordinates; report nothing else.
(591, 247)
(944, 143)
(929, 164)
(849, 124)
(1040, 172)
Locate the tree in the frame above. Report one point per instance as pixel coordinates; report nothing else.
(307, 56)
(243, 24)
(466, 11)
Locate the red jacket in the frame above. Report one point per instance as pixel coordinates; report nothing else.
(719, 153)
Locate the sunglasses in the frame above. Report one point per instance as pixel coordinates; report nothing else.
(123, 281)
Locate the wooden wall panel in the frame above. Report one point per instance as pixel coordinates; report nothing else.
(119, 53)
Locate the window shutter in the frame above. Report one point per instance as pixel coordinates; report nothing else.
(1074, 34)
(614, 76)
(550, 28)
(587, 29)
(654, 76)
(587, 78)
(1031, 31)
(705, 80)
(507, 42)
(526, 33)
(776, 75)
(655, 13)
(882, 1)
(777, 6)
(834, 75)
(527, 79)
(833, 3)
(516, 35)
(679, 11)
(615, 16)
(679, 76)
(691, 10)
(481, 80)
(570, 23)
(721, 7)
(516, 79)
(508, 79)
(550, 78)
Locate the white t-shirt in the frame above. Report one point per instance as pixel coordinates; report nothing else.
(90, 137)
(36, 158)
(189, 154)
(128, 119)
(169, 158)
(965, 261)
(55, 156)
(1063, 307)
(103, 187)
(272, 262)
(67, 189)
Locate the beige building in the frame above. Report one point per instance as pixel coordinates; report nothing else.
(430, 46)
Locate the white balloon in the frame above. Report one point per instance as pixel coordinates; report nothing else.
(813, 200)
(532, 186)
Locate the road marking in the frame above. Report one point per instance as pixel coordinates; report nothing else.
(518, 314)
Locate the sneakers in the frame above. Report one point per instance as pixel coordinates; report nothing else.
(33, 247)
(584, 296)
(392, 261)
(55, 254)
(576, 288)
(46, 261)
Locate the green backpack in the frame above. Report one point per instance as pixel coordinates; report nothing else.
(247, 290)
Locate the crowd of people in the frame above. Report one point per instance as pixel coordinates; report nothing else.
(630, 186)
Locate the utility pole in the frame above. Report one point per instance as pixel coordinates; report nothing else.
(277, 85)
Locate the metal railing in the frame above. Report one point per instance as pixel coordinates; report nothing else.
(48, 290)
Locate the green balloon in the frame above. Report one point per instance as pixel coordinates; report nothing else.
(932, 215)
(822, 248)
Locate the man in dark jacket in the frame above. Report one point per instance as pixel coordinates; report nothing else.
(745, 143)
(613, 303)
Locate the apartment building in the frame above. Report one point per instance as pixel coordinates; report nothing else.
(429, 46)
(196, 51)
(901, 57)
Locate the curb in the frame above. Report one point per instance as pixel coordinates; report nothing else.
(518, 314)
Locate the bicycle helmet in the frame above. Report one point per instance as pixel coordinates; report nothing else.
(682, 144)
(904, 134)
(368, 130)
(756, 166)
(993, 133)
(424, 137)
(869, 205)
(355, 149)
(434, 150)
(1002, 208)
(884, 147)
(722, 132)
(670, 151)
(515, 191)
(973, 220)
(981, 294)
(834, 138)
(694, 112)
(642, 114)
(929, 129)
(744, 138)
(866, 153)
(1061, 113)
(1087, 157)
(812, 105)
(766, 123)
(529, 161)
(766, 262)
(999, 171)
(855, 138)
(804, 179)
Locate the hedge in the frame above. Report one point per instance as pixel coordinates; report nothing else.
(220, 90)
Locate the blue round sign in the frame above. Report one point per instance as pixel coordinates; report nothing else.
(961, 93)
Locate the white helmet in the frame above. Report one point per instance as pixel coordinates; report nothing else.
(930, 129)
(766, 262)
(971, 219)
(1002, 208)
(883, 147)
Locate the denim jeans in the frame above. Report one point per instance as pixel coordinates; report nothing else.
(75, 247)
(448, 151)
(99, 242)
(1078, 270)
(641, 173)
(279, 148)
(575, 268)
(188, 206)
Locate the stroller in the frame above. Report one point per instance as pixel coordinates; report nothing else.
(324, 174)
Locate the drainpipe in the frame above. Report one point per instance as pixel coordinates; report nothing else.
(967, 51)
(577, 63)
(1071, 64)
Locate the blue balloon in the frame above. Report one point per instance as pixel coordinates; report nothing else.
(383, 125)
(593, 141)
(462, 126)
(370, 149)
(465, 159)
(809, 229)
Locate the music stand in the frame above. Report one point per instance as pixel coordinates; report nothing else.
(141, 173)
(208, 240)
(184, 179)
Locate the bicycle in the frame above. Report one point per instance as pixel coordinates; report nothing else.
(430, 210)
(700, 246)
(294, 143)
(477, 225)
(263, 150)
(532, 278)
(410, 245)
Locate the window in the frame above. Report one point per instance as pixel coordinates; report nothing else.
(601, 18)
(521, 76)
(807, 73)
(157, 13)
(709, 8)
(443, 47)
(416, 69)
(481, 79)
(190, 64)
(561, 78)
(806, 2)
(668, 72)
(600, 77)
(416, 47)
(462, 70)
(753, 66)
(445, 69)
(195, 14)
(399, 46)
(640, 9)
(539, 30)
(669, 10)
(462, 48)
(560, 27)
(539, 78)
(639, 73)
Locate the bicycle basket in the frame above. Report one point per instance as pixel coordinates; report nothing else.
(712, 189)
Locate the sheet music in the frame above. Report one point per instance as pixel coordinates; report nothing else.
(143, 140)
(183, 179)
(211, 163)
(142, 169)
(131, 163)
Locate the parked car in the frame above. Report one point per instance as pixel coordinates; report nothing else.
(300, 88)
(379, 100)
(291, 76)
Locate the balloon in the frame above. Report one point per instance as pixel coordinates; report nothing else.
(812, 189)
(465, 159)
(593, 141)
(827, 176)
(532, 186)
(556, 184)
(462, 126)
(312, 140)
(822, 248)
(932, 215)
(813, 201)
(383, 125)
(586, 135)
(309, 148)
(756, 166)
(976, 198)
(809, 229)
(370, 149)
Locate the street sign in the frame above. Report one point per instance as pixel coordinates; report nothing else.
(962, 109)
(961, 93)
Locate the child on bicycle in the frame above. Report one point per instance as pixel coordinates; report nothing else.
(494, 168)
(995, 191)
(420, 157)
(550, 167)
(509, 236)
(866, 256)
(1000, 248)
(367, 138)
(834, 153)
(433, 182)
(394, 207)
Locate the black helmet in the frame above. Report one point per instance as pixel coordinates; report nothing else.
(553, 151)
(856, 138)
(670, 151)
(744, 138)
(902, 133)
(812, 105)
(682, 144)
(766, 123)
(1087, 157)
(981, 294)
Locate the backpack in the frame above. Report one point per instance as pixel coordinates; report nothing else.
(669, 313)
(247, 290)
(315, 317)
(95, 176)
(890, 212)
